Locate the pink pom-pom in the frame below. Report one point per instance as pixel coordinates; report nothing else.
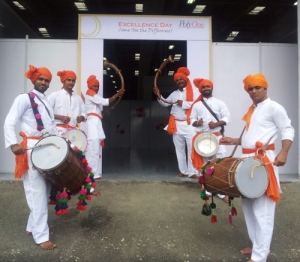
(82, 191)
(35, 105)
(39, 128)
(210, 171)
(32, 95)
(76, 149)
(38, 116)
(201, 180)
(88, 180)
(64, 194)
(88, 168)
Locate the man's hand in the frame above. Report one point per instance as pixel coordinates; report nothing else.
(179, 102)
(120, 92)
(280, 159)
(80, 119)
(229, 141)
(18, 150)
(65, 119)
(212, 125)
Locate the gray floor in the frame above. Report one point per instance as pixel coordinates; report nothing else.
(145, 165)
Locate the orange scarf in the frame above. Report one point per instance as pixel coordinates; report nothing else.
(189, 111)
(247, 116)
(172, 129)
(272, 190)
(91, 92)
(22, 160)
(197, 160)
(94, 114)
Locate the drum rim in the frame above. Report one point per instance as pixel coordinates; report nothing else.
(75, 129)
(202, 136)
(49, 169)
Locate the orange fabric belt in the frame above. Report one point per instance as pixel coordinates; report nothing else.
(66, 126)
(22, 160)
(94, 114)
(272, 190)
(172, 129)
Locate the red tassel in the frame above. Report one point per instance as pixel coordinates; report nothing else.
(233, 211)
(52, 202)
(230, 218)
(93, 185)
(214, 217)
(59, 212)
(65, 211)
(89, 197)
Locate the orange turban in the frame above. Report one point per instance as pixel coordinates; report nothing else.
(92, 80)
(255, 80)
(33, 73)
(183, 72)
(65, 74)
(199, 82)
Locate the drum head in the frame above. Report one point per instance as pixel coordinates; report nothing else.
(49, 156)
(251, 187)
(206, 144)
(77, 138)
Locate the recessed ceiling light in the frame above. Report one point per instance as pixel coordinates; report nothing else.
(104, 72)
(296, 3)
(190, 1)
(232, 35)
(199, 9)
(1, 25)
(111, 76)
(256, 10)
(139, 8)
(171, 47)
(104, 58)
(170, 73)
(16, 3)
(81, 6)
(136, 72)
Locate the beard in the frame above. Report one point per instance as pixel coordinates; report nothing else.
(207, 93)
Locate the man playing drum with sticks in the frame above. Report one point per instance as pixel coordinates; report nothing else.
(36, 187)
(264, 120)
(208, 116)
(178, 126)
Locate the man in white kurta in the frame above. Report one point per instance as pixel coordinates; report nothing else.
(204, 121)
(265, 119)
(181, 101)
(37, 189)
(95, 132)
(68, 106)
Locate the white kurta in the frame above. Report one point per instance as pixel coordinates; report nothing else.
(95, 133)
(37, 189)
(200, 111)
(182, 139)
(66, 105)
(268, 119)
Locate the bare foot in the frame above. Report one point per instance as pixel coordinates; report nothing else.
(48, 245)
(250, 260)
(95, 193)
(246, 251)
(181, 175)
(226, 200)
(98, 178)
(194, 176)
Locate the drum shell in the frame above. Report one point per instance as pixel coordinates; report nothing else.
(225, 176)
(70, 173)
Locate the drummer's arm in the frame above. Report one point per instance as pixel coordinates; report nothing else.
(229, 141)
(281, 158)
(64, 119)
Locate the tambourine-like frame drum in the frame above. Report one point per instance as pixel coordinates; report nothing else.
(59, 163)
(77, 138)
(236, 177)
(206, 144)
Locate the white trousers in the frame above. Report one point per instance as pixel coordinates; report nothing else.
(37, 191)
(259, 216)
(93, 156)
(183, 146)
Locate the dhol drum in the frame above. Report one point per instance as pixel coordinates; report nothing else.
(206, 144)
(59, 163)
(236, 177)
(77, 138)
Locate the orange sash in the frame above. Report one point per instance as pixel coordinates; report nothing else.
(272, 190)
(94, 114)
(171, 125)
(22, 160)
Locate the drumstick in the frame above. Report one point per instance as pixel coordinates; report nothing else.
(47, 144)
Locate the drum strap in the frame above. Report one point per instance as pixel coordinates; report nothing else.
(22, 160)
(66, 126)
(214, 115)
(94, 114)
